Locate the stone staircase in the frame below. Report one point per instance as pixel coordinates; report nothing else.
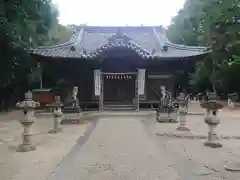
(119, 107)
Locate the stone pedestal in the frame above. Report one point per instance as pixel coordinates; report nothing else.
(164, 117)
(57, 115)
(27, 120)
(71, 109)
(232, 100)
(211, 119)
(212, 140)
(232, 166)
(181, 114)
(231, 103)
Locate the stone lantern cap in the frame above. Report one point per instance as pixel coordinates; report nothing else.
(28, 102)
(212, 102)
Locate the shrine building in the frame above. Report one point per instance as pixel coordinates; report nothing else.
(122, 66)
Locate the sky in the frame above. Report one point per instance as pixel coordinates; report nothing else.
(118, 12)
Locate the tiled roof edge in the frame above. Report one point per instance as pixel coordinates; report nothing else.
(184, 47)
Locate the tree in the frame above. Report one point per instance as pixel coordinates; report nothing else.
(24, 24)
(213, 23)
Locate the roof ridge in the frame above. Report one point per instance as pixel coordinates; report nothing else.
(78, 40)
(160, 44)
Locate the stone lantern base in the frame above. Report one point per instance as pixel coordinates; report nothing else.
(232, 166)
(213, 144)
(26, 148)
(56, 130)
(213, 141)
(27, 144)
(182, 128)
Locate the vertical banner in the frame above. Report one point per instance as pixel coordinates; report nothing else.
(141, 81)
(97, 82)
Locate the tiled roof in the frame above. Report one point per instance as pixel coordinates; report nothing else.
(91, 41)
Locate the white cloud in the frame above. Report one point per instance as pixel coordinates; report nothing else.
(118, 13)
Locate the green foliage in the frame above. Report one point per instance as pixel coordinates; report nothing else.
(213, 23)
(201, 79)
(24, 24)
(58, 35)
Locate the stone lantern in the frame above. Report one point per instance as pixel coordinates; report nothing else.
(182, 101)
(57, 115)
(28, 106)
(211, 119)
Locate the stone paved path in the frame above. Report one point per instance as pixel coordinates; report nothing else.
(122, 148)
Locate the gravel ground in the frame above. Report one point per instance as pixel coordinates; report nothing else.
(124, 148)
(51, 148)
(117, 147)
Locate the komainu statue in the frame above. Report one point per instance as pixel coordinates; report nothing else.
(71, 108)
(165, 106)
(72, 100)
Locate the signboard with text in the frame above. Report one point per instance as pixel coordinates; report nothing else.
(97, 82)
(141, 81)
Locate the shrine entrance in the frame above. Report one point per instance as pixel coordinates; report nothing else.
(119, 88)
(119, 77)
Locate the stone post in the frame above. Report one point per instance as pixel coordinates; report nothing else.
(212, 107)
(57, 115)
(181, 114)
(28, 106)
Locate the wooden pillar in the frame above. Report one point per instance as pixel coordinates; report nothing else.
(140, 85)
(101, 98)
(136, 93)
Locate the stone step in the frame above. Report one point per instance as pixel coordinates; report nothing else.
(119, 107)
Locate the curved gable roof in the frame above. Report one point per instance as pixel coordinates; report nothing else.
(147, 41)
